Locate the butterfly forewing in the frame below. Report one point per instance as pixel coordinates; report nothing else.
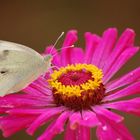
(19, 66)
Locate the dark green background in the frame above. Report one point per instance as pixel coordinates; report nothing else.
(37, 23)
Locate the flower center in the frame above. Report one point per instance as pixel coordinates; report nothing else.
(75, 77)
(77, 86)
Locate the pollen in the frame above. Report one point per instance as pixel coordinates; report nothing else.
(78, 85)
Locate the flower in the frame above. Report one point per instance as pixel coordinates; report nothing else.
(80, 92)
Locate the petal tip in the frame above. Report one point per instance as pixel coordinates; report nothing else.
(73, 31)
(130, 31)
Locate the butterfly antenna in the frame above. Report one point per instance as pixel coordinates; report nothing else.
(62, 49)
(56, 41)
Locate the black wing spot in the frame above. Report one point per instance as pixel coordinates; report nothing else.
(6, 52)
(3, 71)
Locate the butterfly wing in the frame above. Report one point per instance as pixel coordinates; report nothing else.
(19, 66)
(6, 45)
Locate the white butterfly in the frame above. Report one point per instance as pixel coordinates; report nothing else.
(19, 66)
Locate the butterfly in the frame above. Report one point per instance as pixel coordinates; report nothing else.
(20, 66)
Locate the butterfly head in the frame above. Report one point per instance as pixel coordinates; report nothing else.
(48, 58)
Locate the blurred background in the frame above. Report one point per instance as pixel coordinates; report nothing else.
(37, 23)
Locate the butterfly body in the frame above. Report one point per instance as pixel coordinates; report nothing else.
(19, 66)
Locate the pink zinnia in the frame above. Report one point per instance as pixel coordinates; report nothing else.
(81, 94)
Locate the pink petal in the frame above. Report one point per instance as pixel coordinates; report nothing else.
(105, 47)
(125, 40)
(11, 124)
(130, 106)
(42, 81)
(70, 133)
(32, 91)
(88, 119)
(22, 100)
(109, 130)
(25, 111)
(80, 133)
(43, 118)
(37, 90)
(3, 110)
(77, 55)
(130, 90)
(106, 113)
(110, 38)
(69, 40)
(56, 127)
(75, 119)
(123, 58)
(83, 133)
(129, 78)
(92, 41)
(44, 90)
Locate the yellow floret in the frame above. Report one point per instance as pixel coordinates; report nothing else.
(76, 90)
